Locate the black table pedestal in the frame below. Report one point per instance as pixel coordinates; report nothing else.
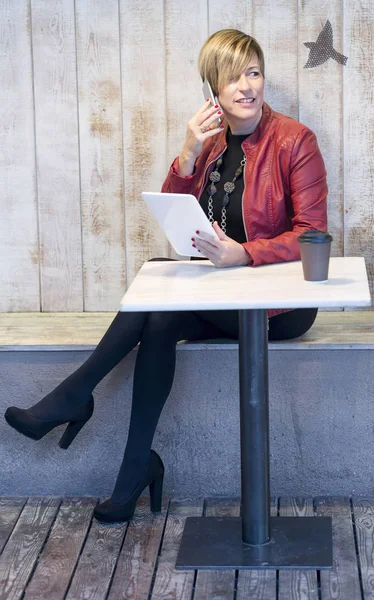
(255, 540)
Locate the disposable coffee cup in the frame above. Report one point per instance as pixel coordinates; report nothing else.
(315, 248)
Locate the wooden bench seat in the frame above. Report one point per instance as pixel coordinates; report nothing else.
(82, 331)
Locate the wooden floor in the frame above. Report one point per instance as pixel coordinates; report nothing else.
(51, 549)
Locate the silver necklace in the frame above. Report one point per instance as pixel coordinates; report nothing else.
(228, 187)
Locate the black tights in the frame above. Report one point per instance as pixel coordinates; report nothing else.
(158, 334)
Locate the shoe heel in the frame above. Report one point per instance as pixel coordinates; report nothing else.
(70, 433)
(155, 493)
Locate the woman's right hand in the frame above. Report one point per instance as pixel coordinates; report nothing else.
(199, 128)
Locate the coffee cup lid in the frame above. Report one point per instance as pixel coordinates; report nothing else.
(315, 236)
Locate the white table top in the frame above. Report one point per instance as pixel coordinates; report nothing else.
(199, 285)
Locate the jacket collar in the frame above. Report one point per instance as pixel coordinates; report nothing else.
(262, 127)
(220, 140)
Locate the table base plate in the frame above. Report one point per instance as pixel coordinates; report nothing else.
(216, 543)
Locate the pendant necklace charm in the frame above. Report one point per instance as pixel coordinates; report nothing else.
(228, 188)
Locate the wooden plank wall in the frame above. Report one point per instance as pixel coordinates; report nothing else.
(57, 154)
(101, 152)
(95, 98)
(358, 131)
(19, 246)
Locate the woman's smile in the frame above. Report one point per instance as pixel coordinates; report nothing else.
(245, 102)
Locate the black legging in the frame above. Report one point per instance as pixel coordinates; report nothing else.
(158, 334)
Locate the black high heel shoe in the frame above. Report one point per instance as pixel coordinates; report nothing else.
(110, 512)
(22, 421)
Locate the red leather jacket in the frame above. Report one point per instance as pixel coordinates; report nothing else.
(285, 186)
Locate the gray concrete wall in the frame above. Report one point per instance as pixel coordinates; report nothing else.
(322, 425)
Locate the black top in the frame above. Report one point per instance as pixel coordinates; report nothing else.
(234, 217)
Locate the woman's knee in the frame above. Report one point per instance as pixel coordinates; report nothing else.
(161, 325)
(292, 324)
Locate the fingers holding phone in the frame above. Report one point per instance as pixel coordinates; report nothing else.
(206, 123)
(210, 119)
(209, 95)
(202, 126)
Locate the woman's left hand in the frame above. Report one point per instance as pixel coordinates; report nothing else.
(224, 252)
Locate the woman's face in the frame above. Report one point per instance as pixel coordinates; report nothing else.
(242, 98)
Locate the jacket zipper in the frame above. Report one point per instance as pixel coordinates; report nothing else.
(245, 226)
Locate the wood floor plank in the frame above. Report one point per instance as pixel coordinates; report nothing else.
(97, 562)
(341, 582)
(363, 510)
(297, 584)
(133, 576)
(10, 510)
(220, 584)
(24, 545)
(258, 584)
(170, 583)
(59, 556)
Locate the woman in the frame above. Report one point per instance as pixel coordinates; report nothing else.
(261, 180)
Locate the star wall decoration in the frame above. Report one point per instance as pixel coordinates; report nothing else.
(323, 49)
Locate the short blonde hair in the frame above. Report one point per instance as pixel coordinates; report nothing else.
(224, 56)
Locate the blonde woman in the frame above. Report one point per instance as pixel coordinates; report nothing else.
(260, 178)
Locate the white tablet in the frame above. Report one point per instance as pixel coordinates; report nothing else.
(179, 216)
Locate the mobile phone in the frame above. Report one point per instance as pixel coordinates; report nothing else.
(208, 93)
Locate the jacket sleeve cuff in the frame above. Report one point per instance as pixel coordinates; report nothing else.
(255, 260)
(178, 184)
(250, 263)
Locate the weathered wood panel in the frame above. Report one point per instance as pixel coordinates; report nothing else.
(170, 583)
(136, 564)
(186, 29)
(226, 15)
(101, 153)
(144, 125)
(57, 562)
(363, 510)
(295, 584)
(24, 545)
(53, 31)
(10, 510)
(358, 127)
(275, 28)
(19, 248)
(342, 581)
(97, 562)
(321, 101)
